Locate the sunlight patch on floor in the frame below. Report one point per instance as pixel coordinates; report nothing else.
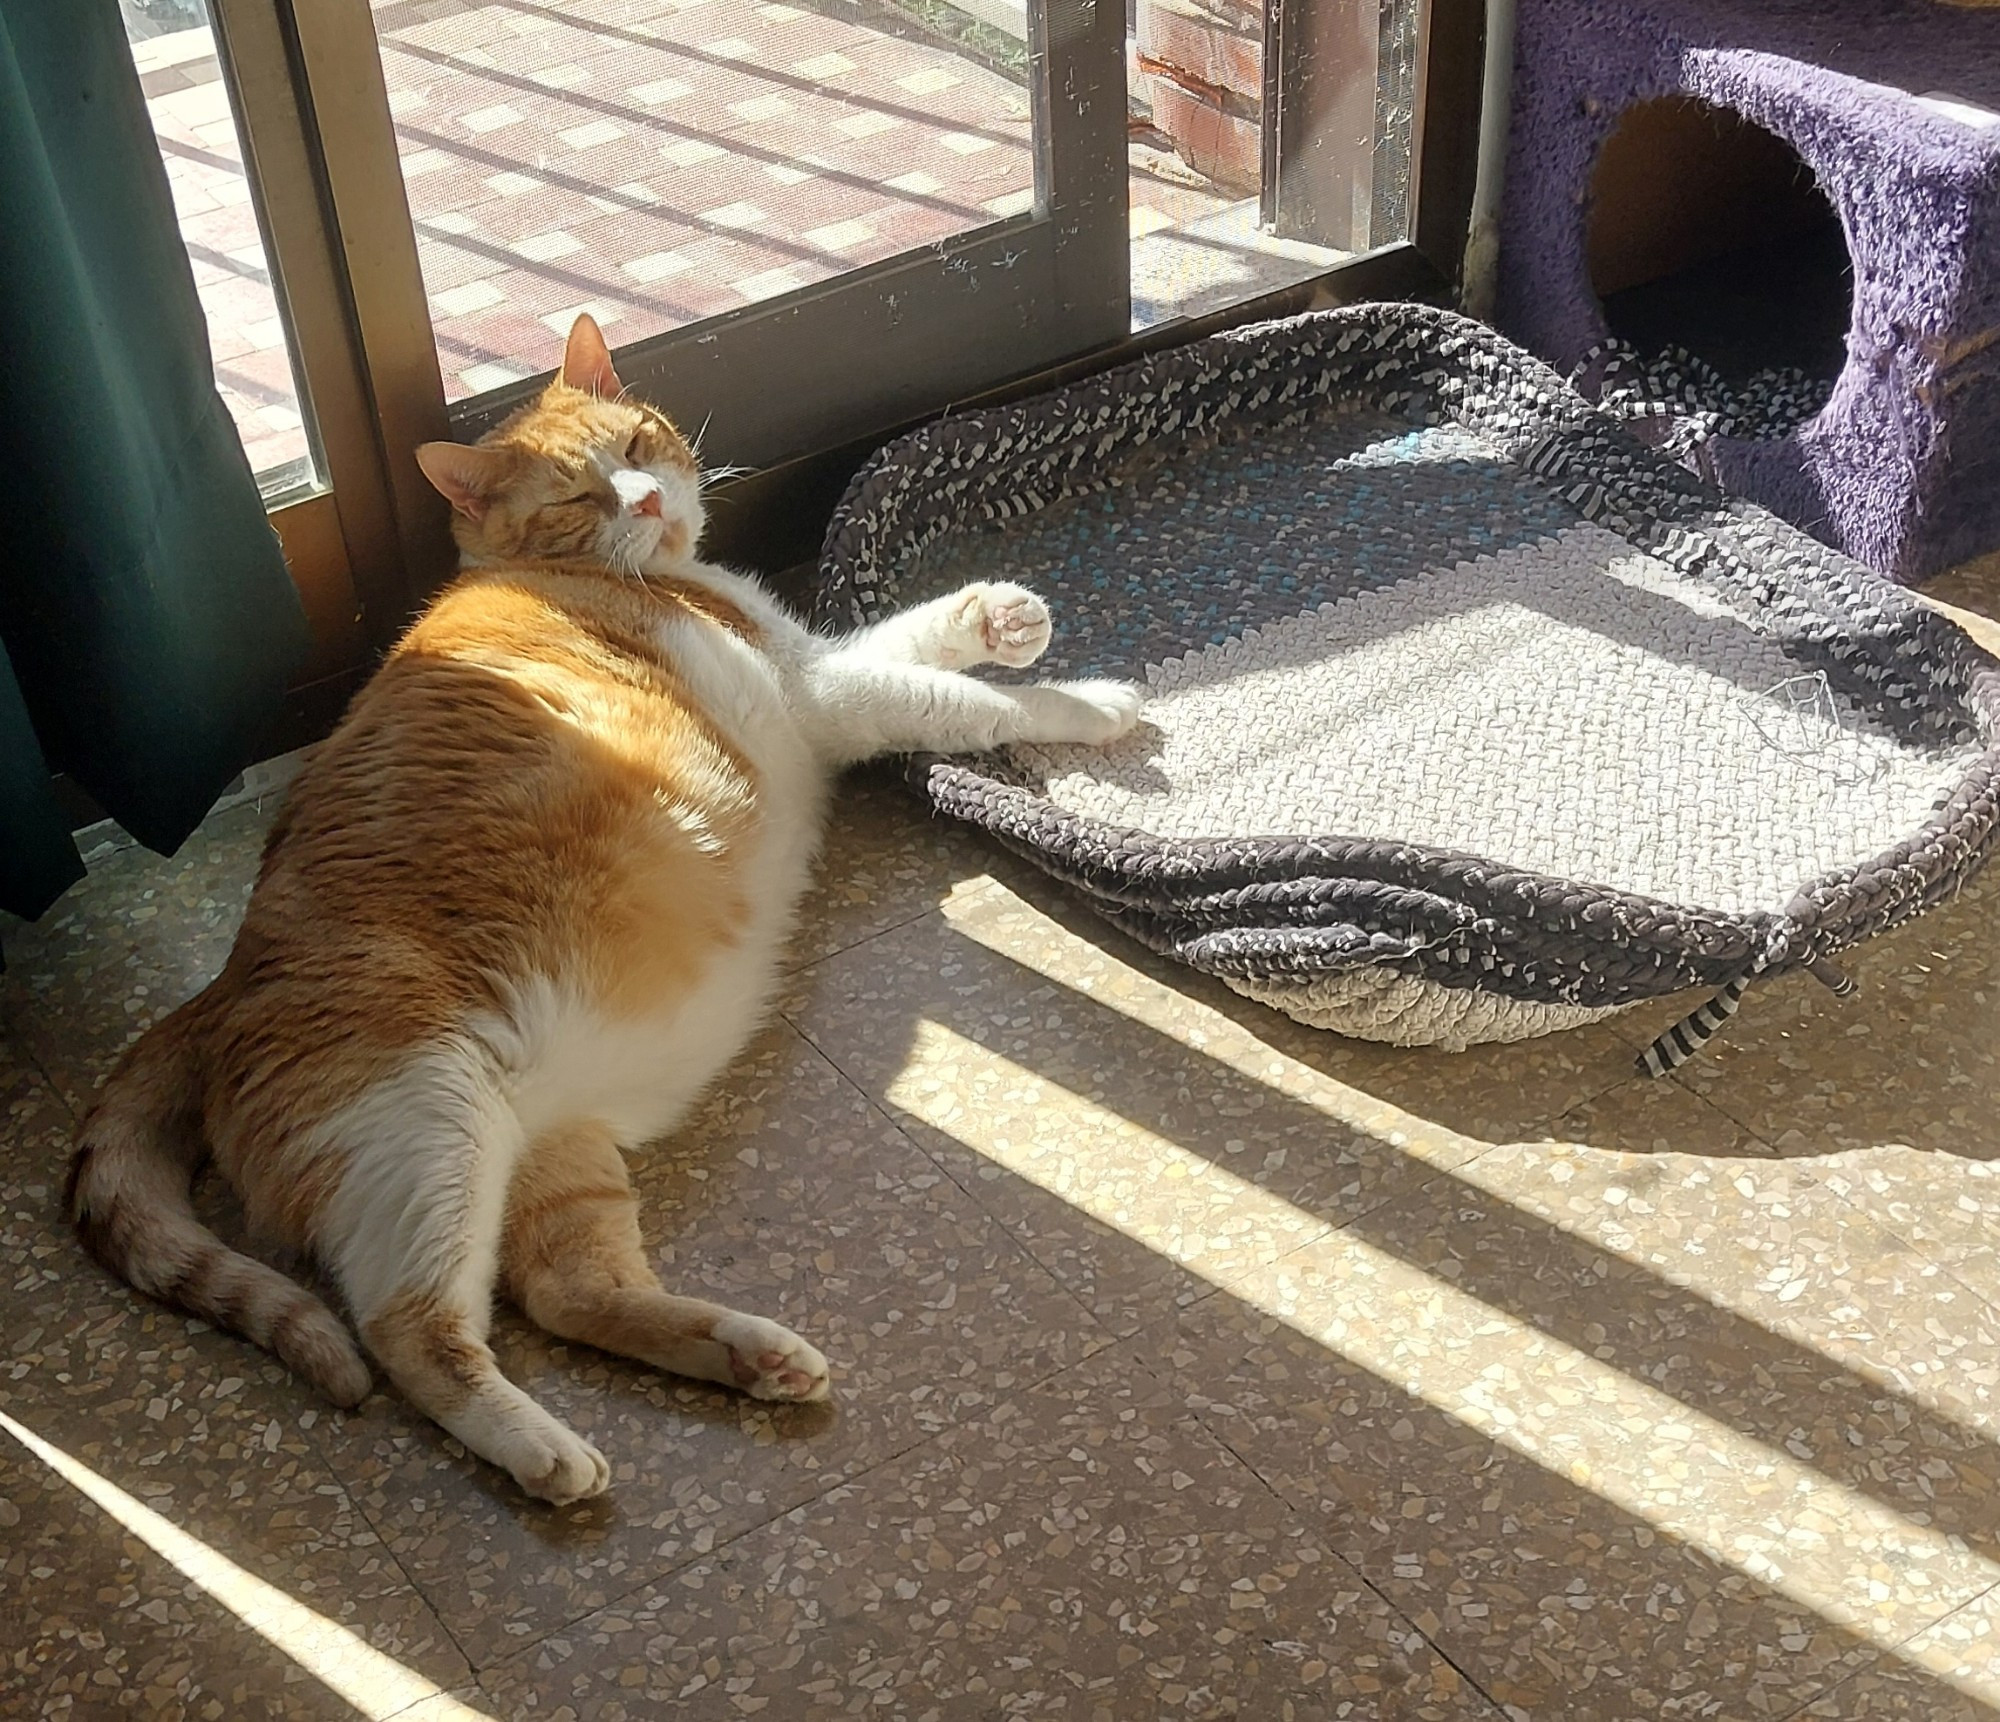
(1853, 1561)
(378, 1686)
(968, 910)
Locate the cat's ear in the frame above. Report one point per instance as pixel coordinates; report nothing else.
(467, 478)
(587, 360)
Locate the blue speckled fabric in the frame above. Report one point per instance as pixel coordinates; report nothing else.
(1178, 554)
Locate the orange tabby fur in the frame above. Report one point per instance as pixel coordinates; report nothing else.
(518, 909)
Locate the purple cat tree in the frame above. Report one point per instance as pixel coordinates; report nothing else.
(1902, 467)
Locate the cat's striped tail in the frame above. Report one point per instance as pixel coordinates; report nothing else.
(129, 1196)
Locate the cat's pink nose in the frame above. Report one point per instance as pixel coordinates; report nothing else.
(648, 504)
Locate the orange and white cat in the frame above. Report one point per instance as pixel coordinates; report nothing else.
(518, 911)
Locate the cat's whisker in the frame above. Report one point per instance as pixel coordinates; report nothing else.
(625, 560)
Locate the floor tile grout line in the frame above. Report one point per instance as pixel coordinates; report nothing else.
(799, 970)
(1813, 1175)
(841, 1480)
(1892, 1652)
(945, 1172)
(1304, 1516)
(938, 1437)
(1172, 1318)
(660, 1575)
(1637, 1082)
(1743, 1124)
(358, 1503)
(1295, 1510)
(417, 1704)
(1627, 1075)
(935, 1438)
(72, 1116)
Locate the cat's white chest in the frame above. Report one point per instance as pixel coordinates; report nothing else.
(638, 1075)
(571, 1062)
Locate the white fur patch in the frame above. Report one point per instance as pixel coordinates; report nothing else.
(564, 1063)
(429, 1153)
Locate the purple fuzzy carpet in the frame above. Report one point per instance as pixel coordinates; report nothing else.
(1902, 467)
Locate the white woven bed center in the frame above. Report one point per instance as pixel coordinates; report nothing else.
(1572, 707)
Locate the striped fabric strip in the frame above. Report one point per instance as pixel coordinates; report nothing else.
(1677, 385)
(1694, 1031)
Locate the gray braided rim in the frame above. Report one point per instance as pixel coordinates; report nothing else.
(1285, 907)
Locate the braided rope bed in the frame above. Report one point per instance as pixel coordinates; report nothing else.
(1470, 717)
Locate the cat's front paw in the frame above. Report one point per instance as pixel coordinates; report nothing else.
(1015, 625)
(772, 1362)
(1092, 713)
(998, 623)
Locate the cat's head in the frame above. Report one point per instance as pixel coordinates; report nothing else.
(579, 472)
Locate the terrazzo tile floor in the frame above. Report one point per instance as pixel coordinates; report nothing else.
(1188, 1363)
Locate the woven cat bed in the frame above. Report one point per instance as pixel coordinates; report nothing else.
(1470, 717)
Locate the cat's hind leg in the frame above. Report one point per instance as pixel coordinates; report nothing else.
(415, 1240)
(573, 1261)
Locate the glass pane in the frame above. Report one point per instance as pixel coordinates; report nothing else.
(656, 162)
(1271, 141)
(174, 46)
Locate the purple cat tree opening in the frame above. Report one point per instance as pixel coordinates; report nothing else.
(1892, 108)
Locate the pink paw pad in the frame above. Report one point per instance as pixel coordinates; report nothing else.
(1014, 626)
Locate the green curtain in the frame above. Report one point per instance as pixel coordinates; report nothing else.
(148, 628)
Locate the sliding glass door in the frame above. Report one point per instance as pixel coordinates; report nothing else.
(801, 224)
(798, 224)
(239, 155)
